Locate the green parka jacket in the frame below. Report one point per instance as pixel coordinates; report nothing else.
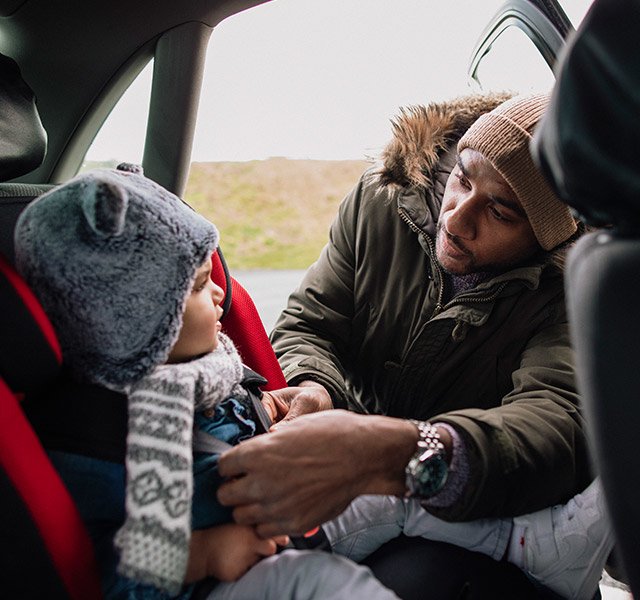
(368, 322)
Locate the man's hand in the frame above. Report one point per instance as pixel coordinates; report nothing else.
(309, 471)
(227, 552)
(286, 404)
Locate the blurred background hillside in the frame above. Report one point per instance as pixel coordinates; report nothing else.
(272, 213)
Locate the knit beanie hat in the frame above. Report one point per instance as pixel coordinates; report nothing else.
(502, 136)
(112, 256)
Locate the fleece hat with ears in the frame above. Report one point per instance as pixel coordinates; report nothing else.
(112, 256)
(502, 136)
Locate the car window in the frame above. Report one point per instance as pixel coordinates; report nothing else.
(121, 137)
(576, 10)
(297, 96)
(321, 78)
(514, 63)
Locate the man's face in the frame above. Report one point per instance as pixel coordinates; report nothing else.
(482, 225)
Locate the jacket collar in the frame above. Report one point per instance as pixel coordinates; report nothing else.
(415, 165)
(422, 134)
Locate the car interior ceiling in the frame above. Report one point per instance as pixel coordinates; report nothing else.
(91, 72)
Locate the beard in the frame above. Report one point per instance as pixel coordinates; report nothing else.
(470, 264)
(465, 267)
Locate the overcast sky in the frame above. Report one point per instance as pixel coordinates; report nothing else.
(320, 78)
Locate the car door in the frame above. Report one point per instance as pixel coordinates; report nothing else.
(518, 48)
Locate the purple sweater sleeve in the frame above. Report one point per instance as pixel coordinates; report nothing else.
(458, 473)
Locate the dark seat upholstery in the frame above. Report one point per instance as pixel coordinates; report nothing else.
(14, 198)
(604, 275)
(45, 548)
(23, 141)
(588, 146)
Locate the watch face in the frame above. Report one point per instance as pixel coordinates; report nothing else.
(429, 473)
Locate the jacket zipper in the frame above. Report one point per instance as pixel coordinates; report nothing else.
(434, 263)
(462, 299)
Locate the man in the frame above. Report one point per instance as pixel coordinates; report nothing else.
(434, 302)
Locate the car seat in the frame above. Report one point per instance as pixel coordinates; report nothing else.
(587, 146)
(23, 144)
(244, 327)
(44, 545)
(42, 530)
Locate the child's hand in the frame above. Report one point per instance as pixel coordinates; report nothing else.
(286, 404)
(227, 552)
(276, 408)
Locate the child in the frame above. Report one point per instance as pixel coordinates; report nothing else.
(122, 268)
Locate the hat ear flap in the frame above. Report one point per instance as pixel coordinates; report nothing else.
(105, 207)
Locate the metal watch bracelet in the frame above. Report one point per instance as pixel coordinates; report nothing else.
(428, 448)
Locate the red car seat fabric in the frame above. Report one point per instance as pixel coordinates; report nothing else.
(30, 353)
(44, 541)
(45, 547)
(241, 322)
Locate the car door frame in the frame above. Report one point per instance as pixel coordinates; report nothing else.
(544, 22)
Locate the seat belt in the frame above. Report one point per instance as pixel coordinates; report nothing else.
(207, 443)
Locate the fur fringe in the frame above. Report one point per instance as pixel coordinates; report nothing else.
(422, 134)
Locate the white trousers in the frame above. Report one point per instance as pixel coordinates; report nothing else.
(370, 521)
(304, 575)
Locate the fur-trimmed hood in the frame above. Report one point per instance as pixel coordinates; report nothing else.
(422, 133)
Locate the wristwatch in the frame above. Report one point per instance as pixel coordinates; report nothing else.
(427, 470)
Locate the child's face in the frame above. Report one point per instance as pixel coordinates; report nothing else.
(200, 321)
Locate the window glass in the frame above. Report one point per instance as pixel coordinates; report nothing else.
(576, 10)
(321, 78)
(514, 63)
(297, 96)
(121, 137)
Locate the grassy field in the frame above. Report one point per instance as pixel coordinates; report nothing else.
(271, 213)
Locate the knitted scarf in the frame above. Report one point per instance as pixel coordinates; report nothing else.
(154, 540)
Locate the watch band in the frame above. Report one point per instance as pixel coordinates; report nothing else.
(429, 436)
(426, 471)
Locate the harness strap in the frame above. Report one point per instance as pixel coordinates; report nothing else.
(206, 443)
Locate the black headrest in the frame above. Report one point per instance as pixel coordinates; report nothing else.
(30, 355)
(23, 141)
(587, 143)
